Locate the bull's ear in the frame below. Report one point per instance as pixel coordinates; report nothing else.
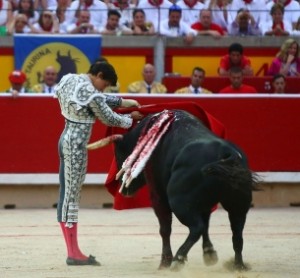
(104, 142)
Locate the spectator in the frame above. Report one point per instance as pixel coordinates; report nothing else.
(175, 27)
(47, 24)
(5, 13)
(139, 25)
(60, 13)
(278, 84)
(197, 79)
(296, 31)
(235, 58)
(223, 12)
(125, 8)
(43, 4)
(63, 4)
(97, 9)
(48, 82)
(83, 24)
(237, 86)
(19, 25)
(244, 25)
(256, 7)
(17, 80)
(277, 26)
(26, 7)
(113, 27)
(147, 85)
(190, 10)
(291, 10)
(287, 61)
(156, 11)
(206, 27)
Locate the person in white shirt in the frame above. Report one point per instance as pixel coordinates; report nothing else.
(97, 9)
(175, 27)
(291, 10)
(223, 12)
(83, 25)
(277, 26)
(156, 11)
(26, 7)
(125, 9)
(190, 10)
(5, 13)
(113, 27)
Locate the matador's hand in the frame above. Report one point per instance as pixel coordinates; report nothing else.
(136, 115)
(126, 103)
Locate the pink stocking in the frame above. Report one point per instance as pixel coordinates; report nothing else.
(70, 235)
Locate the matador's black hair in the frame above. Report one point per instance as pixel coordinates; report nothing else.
(107, 70)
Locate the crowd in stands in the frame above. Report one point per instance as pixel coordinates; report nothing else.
(234, 65)
(173, 18)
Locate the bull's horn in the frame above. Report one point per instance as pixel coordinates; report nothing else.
(104, 142)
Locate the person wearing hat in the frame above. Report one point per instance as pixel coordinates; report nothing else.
(17, 80)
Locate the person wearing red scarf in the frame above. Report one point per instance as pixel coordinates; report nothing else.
(47, 23)
(291, 10)
(278, 26)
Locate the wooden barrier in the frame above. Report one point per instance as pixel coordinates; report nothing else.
(267, 127)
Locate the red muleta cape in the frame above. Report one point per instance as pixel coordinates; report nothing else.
(142, 197)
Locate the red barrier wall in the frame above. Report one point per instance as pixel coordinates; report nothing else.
(267, 127)
(215, 84)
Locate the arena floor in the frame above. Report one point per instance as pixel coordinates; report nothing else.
(128, 245)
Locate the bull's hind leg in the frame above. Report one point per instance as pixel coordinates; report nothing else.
(237, 223)
(164, 215)
(196, 227)
(210, 256)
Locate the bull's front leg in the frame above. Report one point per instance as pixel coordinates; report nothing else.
(164, 215)
(237, 223)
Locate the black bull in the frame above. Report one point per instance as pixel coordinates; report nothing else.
(190, 171)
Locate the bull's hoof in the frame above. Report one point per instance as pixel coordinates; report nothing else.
(210, 256)
(233, 265)
(165, 262)
(241, 267)
(178, 264)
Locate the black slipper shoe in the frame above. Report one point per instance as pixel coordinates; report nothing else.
(91, 260)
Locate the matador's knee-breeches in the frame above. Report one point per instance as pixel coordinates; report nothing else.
(73, 166)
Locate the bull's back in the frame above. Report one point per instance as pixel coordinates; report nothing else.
(185, 131)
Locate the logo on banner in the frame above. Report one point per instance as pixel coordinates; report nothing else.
(65, 58)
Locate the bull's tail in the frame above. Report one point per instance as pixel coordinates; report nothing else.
(232, 171)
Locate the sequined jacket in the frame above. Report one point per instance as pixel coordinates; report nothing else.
(80, 102)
